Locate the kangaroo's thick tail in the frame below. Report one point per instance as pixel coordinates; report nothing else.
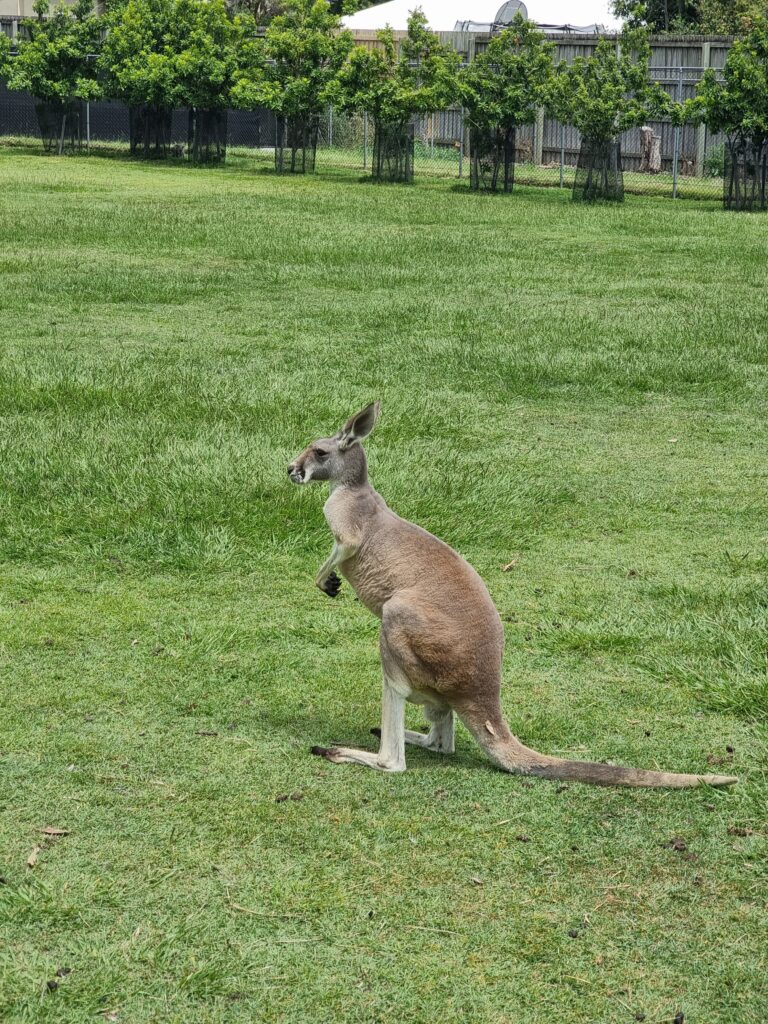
(509, 753)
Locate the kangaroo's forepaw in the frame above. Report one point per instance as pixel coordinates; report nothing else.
(332, 585)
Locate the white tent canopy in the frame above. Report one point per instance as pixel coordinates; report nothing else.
(442, 15)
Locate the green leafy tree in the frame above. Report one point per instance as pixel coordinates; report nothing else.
(205, 43)
(716, 17)
(53, 60)
(164, 54)
(262, 11)
(5, 55)
(175, 53)
(302, 52)
(609, 92)
(660, 15)
(501, 89)
(738, 105)
(604, 95)
(265, 10)
(290, 72)
(505, 85)
(393, 87)
(137, 64)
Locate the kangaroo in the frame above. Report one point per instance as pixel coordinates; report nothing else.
(441, 639)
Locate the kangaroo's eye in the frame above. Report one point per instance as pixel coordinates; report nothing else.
(321, 452)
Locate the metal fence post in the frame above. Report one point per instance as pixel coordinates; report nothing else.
(562, 156)
(678, 130)
(330, 126)
(88, 126)
(365, 139)
(461, 142)
(538, 138)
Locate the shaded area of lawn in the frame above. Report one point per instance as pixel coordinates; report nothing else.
(575, 394)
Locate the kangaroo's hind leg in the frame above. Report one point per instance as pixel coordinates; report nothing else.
(395, 691)
(440, 737)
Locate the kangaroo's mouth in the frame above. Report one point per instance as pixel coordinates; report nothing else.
(296, 475)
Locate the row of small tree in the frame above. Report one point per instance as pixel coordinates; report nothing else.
(160, 55)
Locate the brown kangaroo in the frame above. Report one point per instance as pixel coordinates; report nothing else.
(441, 638)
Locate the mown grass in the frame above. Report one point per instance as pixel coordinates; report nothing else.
(429, 161)
(578, 392)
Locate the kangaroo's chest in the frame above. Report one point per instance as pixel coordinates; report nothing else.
(369, 581)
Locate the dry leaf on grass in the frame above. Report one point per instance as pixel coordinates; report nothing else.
(50, 830)
(32, 858)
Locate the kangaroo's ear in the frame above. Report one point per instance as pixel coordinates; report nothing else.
(358, 426)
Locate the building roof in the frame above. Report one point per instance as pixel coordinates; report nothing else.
(443, 15)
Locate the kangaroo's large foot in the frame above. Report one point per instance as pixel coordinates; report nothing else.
(347, 755)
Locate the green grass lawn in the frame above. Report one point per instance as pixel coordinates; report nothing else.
(576, 393)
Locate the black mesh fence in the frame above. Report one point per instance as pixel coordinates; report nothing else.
(492, 158)
(744, 174)
(149, 128)
(599, 174)
(60, 125)
(393, 152)
(18, 117)
(144, 131)
(207, 136)
(296, 144)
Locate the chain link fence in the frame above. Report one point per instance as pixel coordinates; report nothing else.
(658, 160)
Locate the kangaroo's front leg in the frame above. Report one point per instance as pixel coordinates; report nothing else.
(391, 755)
(327, 579)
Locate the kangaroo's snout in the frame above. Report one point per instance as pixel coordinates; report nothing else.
(296, 473)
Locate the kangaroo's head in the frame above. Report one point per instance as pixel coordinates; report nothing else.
(339, 459)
